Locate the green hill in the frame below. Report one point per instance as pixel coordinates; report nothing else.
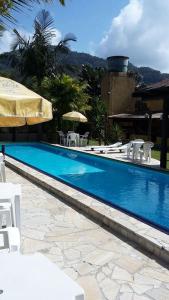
(73, 62)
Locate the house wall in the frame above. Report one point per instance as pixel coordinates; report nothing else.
(155, 105)
(116, 91)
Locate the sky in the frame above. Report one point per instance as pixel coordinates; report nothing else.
(135, 28)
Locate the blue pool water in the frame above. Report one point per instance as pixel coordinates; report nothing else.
(139, 191)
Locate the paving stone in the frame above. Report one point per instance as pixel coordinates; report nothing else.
(111, 290)
(85, 269)
(121, 274)
(125, 289)
(71, 273)
(140, 288)
(99, 257)
(55, 251)
(126, 296)
(156, 274)
(136, 297)
(130, 263)
(106, 271)
(89, 284)
(146, 280)
(31, 245)
(72, 254)
(100, 276)
(159, 294)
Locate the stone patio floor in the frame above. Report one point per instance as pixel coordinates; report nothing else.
(107, 267)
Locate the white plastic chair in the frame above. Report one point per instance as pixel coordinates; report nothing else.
(84, 138)
(136, 150)
(72, 139)
(128, 150)
(146, 152)
(62, 138)
(2, 171)
(9, 240)
(11, 195)
(6, 219)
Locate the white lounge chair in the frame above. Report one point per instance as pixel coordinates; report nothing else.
(98, 148)
(146, 152)
(120, 148)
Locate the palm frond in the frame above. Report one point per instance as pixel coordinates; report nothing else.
(44, 29)
(19, 41)
(63, 45)
(17, 5)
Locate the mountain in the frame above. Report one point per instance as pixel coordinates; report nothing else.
(73, 62)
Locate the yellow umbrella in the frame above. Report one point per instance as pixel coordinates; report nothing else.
(20, 106)
(74, 116)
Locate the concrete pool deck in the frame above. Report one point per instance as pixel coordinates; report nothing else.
(106, 266)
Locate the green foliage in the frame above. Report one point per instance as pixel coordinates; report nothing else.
(97, 115)
(116, 133)
(93, 77)
(66, 93)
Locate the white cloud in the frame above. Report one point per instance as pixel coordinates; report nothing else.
(58, 36)
(141, 32)
(9, 36)
(5, 41)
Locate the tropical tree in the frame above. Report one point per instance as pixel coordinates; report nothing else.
(93, 77)
(37, 57)
(97, 114)
(6, 7)
(66, 93)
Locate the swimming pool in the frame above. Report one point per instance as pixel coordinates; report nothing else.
(139, 191)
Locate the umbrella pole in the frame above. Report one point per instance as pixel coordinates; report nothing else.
(14, 134)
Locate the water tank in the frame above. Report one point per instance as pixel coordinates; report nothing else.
(117, 63)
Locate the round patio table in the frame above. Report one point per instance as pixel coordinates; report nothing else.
(34, 277)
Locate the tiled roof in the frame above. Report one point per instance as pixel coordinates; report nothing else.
(161, 84)
(134, 116)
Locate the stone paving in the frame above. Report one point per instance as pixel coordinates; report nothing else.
(104, 265)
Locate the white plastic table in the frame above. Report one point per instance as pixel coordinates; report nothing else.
(34, 277)
(12, 192)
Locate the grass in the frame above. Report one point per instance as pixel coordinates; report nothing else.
(156, 155)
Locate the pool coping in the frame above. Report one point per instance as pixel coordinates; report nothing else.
(146, 237)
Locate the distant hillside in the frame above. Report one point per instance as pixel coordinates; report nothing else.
(76, 60)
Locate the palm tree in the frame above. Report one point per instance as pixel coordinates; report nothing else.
(36, 54)
(7, 5)
(66, 94)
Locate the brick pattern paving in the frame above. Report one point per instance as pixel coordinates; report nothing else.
(104, 265)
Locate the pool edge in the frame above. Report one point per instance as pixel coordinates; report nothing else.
(158, 247)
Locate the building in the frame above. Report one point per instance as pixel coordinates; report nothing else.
(118, 86)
